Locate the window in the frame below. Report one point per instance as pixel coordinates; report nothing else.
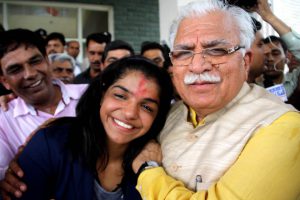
(75, 21)
(1, 14)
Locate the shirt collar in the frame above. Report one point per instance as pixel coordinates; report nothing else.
(22, 108)
(192, 116)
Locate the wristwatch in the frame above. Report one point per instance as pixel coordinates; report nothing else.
(147, 165)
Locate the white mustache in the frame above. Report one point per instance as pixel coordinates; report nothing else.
(192, 78)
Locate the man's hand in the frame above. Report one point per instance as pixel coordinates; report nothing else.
(151, 151)
(264, 10)
(4, 99)
(11, 184)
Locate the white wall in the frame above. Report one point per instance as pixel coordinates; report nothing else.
(168, 10)
(287, 11)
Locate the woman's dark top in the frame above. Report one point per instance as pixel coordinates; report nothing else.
(51, 172)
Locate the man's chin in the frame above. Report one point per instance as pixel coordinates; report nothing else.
(95, 67)
(272, 74)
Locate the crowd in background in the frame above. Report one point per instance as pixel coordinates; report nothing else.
(64, 80)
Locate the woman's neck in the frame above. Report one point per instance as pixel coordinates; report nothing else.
(111, 177)
(116, 151)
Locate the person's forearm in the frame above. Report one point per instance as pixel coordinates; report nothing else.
(172, 189)
(264, 10)
(257, 174)
(278, 25)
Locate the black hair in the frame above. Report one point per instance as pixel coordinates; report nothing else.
(56, 36)
(245, 4)
(1, 28)
(103, 37)
(117, 44)
(273, 38)
(147, 45)
(256, 25)
(167, 62)
(12, 39)
(88, 138)
(42, 32)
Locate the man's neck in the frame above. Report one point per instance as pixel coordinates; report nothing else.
(278, 80)
(51, 104)
(94, 73)
(251, 79)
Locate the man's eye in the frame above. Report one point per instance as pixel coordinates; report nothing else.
(157, 60)
(181, 54)
(276, 53)
(14, 70)
(36, 61)
(216, 52)
(111, 60)
(260, 44)
(69, 71)
(58, 70)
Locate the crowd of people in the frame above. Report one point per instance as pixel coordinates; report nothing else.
(212, 117)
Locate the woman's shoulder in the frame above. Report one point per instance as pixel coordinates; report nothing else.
(55, 132)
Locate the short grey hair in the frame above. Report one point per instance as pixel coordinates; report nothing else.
(199, 8)
(61, 57)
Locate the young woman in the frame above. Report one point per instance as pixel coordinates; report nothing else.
(90, 156)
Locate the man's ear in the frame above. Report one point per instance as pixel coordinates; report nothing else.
(4, 82)
(247, 60)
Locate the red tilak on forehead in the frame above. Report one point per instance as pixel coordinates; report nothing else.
(141, 89)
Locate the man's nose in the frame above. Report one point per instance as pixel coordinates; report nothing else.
(29, 71)
(269, 56)
(199, 63)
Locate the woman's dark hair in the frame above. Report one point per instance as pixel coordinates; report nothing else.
(89, 138)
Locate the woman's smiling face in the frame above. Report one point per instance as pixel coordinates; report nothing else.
(129, 107)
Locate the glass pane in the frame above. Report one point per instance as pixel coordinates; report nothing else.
(52, 19)
(1, 14)
(94, 21)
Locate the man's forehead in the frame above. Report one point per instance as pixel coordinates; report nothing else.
(19, 56)
(275, 45)
(65, 62)
(153, 52)
(21, 53)
(118, 53)
(74, 43)
(55, 41)
(206, 30)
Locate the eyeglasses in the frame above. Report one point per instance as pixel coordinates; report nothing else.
(213, 55)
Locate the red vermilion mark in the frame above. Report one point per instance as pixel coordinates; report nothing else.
(141, 89)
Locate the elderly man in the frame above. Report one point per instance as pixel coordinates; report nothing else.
(24, 69)
(225, 139)
(62, 67)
